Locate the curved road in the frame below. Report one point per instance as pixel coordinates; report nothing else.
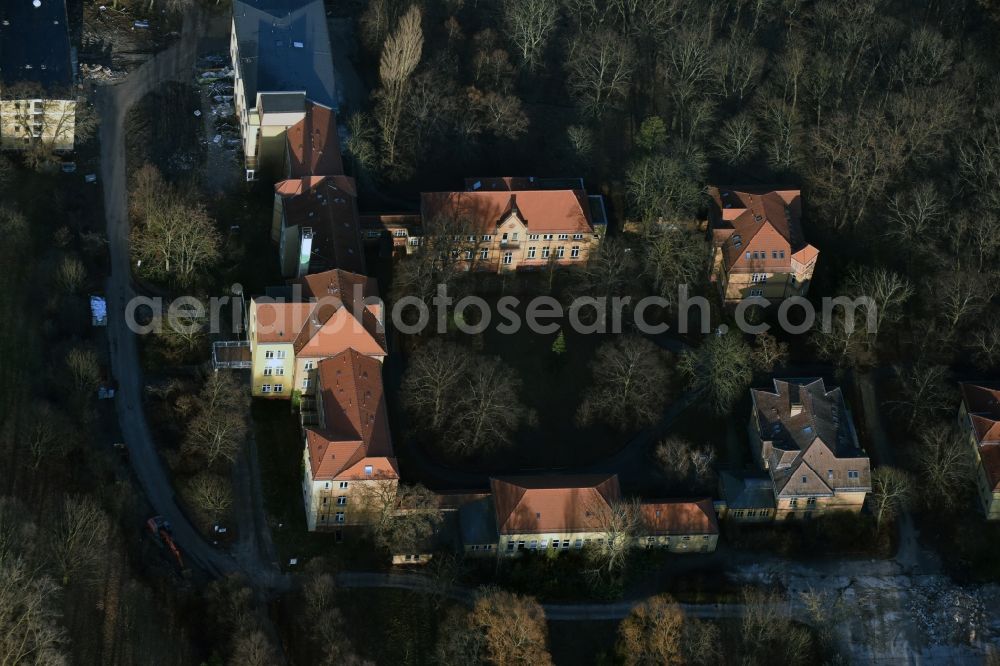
(174, 63)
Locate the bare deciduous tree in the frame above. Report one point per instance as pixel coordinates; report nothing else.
(512, 627)
(211, 494)
(682, 461)
(653, 633)
(599, 70)
(79, 538)
(618, 526)
(945, 463)
(529, 24)
(630, 384)
(892, 492)
(488, 410)
(400, 56)
(218, 428)
(173, 237)
(721, 369)
(399, 517)
(432, 381)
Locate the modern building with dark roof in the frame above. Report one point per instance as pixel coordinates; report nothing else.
(37, 107)
(979, 417)
(803, 436)
(760, 249)
(34, 44)
(280, 51)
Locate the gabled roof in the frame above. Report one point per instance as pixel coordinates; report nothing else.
(543, 211)
(546, 504)
(760, 223)
(328, 206)
(284, 46)
(314, 145)
(982, 401)
(331, 316)
(808, 442)
(354, 430)
(682, 517)
(34, 44)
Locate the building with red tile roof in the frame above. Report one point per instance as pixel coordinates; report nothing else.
(979, 417)
(347, 445)
(760, 249)
(679, 525)
(503, 223)
(320, 316)
(562, 512)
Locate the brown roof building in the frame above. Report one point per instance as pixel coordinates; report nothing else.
(560, 512)
(350, 444)
(321, 315)
(979, 416)
(760, 249)
(802, 434)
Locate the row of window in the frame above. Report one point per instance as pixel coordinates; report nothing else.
(337, 518)
(341, 500)
(751, 513)
(279, 371)
(274, 354)
(272, 388)
(762, 254)
(488, 546)
(508, 256)
(343, 484)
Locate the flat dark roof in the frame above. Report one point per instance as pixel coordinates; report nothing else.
(284, 46)
(34, 43)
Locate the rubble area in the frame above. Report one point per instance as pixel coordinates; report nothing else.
(214, 79)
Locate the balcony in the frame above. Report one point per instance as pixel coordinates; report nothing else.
(508, 244)
(231, 354)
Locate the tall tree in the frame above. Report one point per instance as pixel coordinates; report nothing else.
(400, 57)
(652, 633)
(487, 411)
(630, 385)
(721, 369)
(433, 380)
(599, 70)
(892, 492)
(529, 24)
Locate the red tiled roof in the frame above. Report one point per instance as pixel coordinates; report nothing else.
(355, 423)
(983, 404)
(536, 505)
(679, 517)
(313, 144)
(759, 224)
(331, 317)
(543, 211)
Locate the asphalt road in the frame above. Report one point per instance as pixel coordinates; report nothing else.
(553, 612)
(114, 102)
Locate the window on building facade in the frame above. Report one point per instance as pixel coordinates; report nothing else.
(508, 257)
(484, 254)
(563, 236)
(560, 251)
(343, 484)
(266, 388)
(305, 382)
(279, 388)
(574, 252)
(545, 253)
(368, 470)
(487, 238)
(531, 253)
(342, 500)
(577, 236)
(853, 474)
